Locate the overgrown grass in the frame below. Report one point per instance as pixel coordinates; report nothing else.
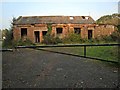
(103, 52)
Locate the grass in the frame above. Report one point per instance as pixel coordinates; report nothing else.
(103, 52)
(108, 52)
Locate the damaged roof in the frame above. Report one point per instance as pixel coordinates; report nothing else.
(54, 20)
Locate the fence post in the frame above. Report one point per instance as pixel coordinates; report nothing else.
(84, 51)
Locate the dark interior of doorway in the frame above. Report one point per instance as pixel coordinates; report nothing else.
(37, 36)
(89, 34)
(23, 32)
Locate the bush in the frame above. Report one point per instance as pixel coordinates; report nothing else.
(107, 38)
(20, 42)
(51, 39)
(90, 40)
(115, 35)
(72, 38)
(97, 39)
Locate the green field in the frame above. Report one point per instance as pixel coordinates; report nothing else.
(102, 52)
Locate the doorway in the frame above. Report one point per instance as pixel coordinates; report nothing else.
(37, 36)
(89, 34)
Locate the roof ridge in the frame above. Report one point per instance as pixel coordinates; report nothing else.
(57, 16)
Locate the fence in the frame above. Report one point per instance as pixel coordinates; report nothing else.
(75, 45)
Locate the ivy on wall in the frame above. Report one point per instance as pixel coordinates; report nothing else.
(49, 26)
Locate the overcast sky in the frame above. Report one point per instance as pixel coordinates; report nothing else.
(16, 8)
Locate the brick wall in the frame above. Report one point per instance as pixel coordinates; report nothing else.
(97, 30)
(103, 30)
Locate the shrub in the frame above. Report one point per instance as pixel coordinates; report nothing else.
(107, 38)
(72, 38)
(58, 40)
(23, 42)
(115, 35)
(51, 39)
(90, 40)
(97, 39)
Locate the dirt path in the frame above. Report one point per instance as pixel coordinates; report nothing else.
(28, 68)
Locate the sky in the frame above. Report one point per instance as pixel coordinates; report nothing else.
(16, 8)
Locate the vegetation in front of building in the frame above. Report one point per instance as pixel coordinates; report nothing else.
(72, 38)
(26, 42)
(51, 39)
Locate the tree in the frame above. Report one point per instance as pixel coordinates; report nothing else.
(8, 42)
(4, 33)
(109, 19)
